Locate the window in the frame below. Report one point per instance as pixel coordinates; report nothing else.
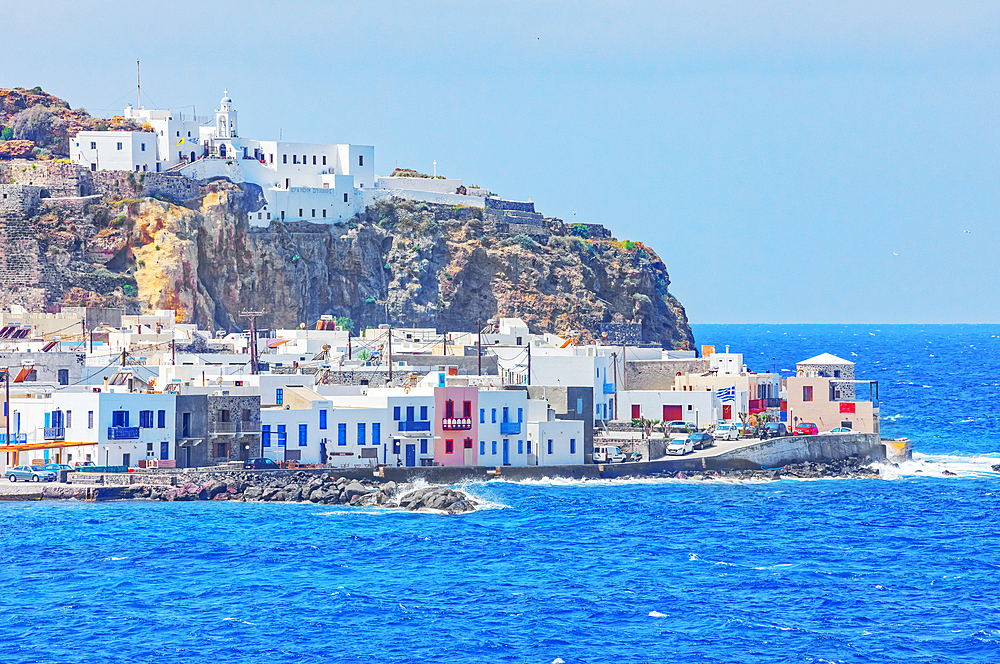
(265, 434)
(550, 446)
(282, 435)
(482, 416)
(636, 414)
(579, 406)
(69, 419)
(63, 376)
(279, 396)
(322, 419)
(395, 447)
(345, 197)
(409, 413)
(143, 147)
(361, 433)
(506, 415)
(324, 160)
(93, 145)
(295, 158)
(395, 413)
(468, 443)
(145, 419)
(119, 146)
(482, 448)
(314, 212)
(284, 159)
(303, 159)
(361, 160)
(449, 447)
(271, 157)
(494, 415)
(423, 413)
(836, 373)
(449, 409)
(572, 445)
(520, 447)
(324, 213)
(303, 435)
(494, 448)
(149, 447)
(341, 434)
(314, 160)
(467, 409)
(300, 212)
(807, 393)
(423, 446)
(529, 447)
(376, 433)
(520, 415)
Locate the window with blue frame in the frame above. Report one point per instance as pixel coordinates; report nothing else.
(520, 415)
(409, 413)
(482, 448)
(322, 419)
(342, 433)
(145, 419)
(579, 406)
(572, 445)
(423, 413)
(265, 434)
(376, 433)
(361, 433)
(119, 418)
(550, 446)
(482, 416)
(529, 447)
(164, 451)
(520, 447)
(506, 415)
(282, 435)
(279, 396)
(494, 416)
(494, 447)
(303, 435)
(161, 419)
(395, 413)
(423, 446)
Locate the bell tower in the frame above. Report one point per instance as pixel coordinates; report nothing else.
(225, 118)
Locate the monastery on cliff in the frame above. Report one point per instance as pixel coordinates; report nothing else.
(316, 182)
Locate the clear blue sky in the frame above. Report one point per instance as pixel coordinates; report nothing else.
(775, 154)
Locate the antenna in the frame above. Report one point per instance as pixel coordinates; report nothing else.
(253, 316)
(138, 85)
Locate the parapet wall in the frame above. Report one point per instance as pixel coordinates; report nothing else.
(20, 199)
(60, 180)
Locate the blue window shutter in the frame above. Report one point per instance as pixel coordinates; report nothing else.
(164, 451)
(494, 447)
(520, 415)
(265, 434)
(361, 433)
(303, 435)
(48, 420)
(322, 419)
(161, 419)
(376, 433)
(550, 446)
(494, 416)
(423, 413)
(423, 446)
(529, 447)
(579, 406)
(395, 413)
(572, 445)
(482, 448)
(520, 447)
(482, 416)
(279, 396)
(282, 435)
(506, 414)
(342, 433)
(409, 413)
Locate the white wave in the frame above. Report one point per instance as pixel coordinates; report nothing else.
(112, 558)
(941, 465)
(657, 614)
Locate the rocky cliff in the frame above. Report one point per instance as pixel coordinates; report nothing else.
(421, 265)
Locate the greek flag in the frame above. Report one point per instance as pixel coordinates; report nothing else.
(194, 139)
(726, 394)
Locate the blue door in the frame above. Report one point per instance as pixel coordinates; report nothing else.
(506, 452)
(411, 455)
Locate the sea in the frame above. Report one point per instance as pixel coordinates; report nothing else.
(899, 569)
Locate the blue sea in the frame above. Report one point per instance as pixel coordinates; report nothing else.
(903, 569)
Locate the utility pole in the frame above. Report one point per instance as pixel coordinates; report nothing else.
(624, 383)
(390, 356)
(479, 345)
(349, 344)
(6, 407)
(253, 316)
(138, 85)
(614, 359)
(529, 361)
(173, 352)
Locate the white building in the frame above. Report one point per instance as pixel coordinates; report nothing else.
(115, 150)
(555, 443)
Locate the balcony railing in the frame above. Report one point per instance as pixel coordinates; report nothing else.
(510, 428)
(123, 433)
(14, 438)
(456, 423)
(54, 433)
(410, 425)
(609, 388)
(223, 427)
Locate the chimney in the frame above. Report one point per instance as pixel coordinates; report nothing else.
(105, 383)
(727, 348)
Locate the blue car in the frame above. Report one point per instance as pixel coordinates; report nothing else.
(56, 467)
(30, 474)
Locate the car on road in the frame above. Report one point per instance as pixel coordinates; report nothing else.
(701, 441)
(260, 464)
(774, 430)
(840, 430)
(727, 432)
(30, 474)
(608, 454)
(56, 467)
(678, 429)
(84, 464)
(680, 446)
(806, 429)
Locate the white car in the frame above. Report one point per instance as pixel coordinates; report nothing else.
(838, 430)
(680, 446)
(727, 432)
(608, 454)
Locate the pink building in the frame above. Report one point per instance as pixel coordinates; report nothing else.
(455, 426)
(825, 392)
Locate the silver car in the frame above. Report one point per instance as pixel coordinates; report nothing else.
(30, 474)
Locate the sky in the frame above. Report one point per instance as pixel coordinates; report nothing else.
(791, 162)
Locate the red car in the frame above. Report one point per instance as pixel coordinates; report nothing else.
(806, 429)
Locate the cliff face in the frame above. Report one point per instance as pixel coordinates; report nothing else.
(424, 265)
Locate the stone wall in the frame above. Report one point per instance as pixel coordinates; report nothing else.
(19, 199)
(59, 180)
(659, 374)
(500, 204)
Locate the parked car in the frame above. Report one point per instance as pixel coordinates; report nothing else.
(608, 454)
(680, 446)
(806, 429)
(260, 464)
(82, 464)
(774, 430)
(30, 474)
(56, 467)
(840, 430)
(678, 428)
(727, 432)
(701, 441)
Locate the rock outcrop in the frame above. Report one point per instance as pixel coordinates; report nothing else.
(421, 264)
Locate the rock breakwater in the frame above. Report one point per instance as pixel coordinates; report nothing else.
(849, 468)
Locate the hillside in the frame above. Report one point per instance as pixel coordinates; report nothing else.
(147, 241)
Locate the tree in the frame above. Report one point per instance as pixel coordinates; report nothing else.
(34, 124)
(6, 134)
(345, 323)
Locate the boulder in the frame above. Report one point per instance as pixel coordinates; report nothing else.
(252, 493)
(355, 489)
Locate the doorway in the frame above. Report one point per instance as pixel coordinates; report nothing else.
(506, 452)
(411, 456)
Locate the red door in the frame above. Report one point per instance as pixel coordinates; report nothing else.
(671, 413)
(635, 411)
(727, 412)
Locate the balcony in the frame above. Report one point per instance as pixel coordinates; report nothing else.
(223, 428)
(14, 438)
(409, 425)
(54, 433)
(510, 428)
(609, 388)
(456, 423)
(123, 433)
